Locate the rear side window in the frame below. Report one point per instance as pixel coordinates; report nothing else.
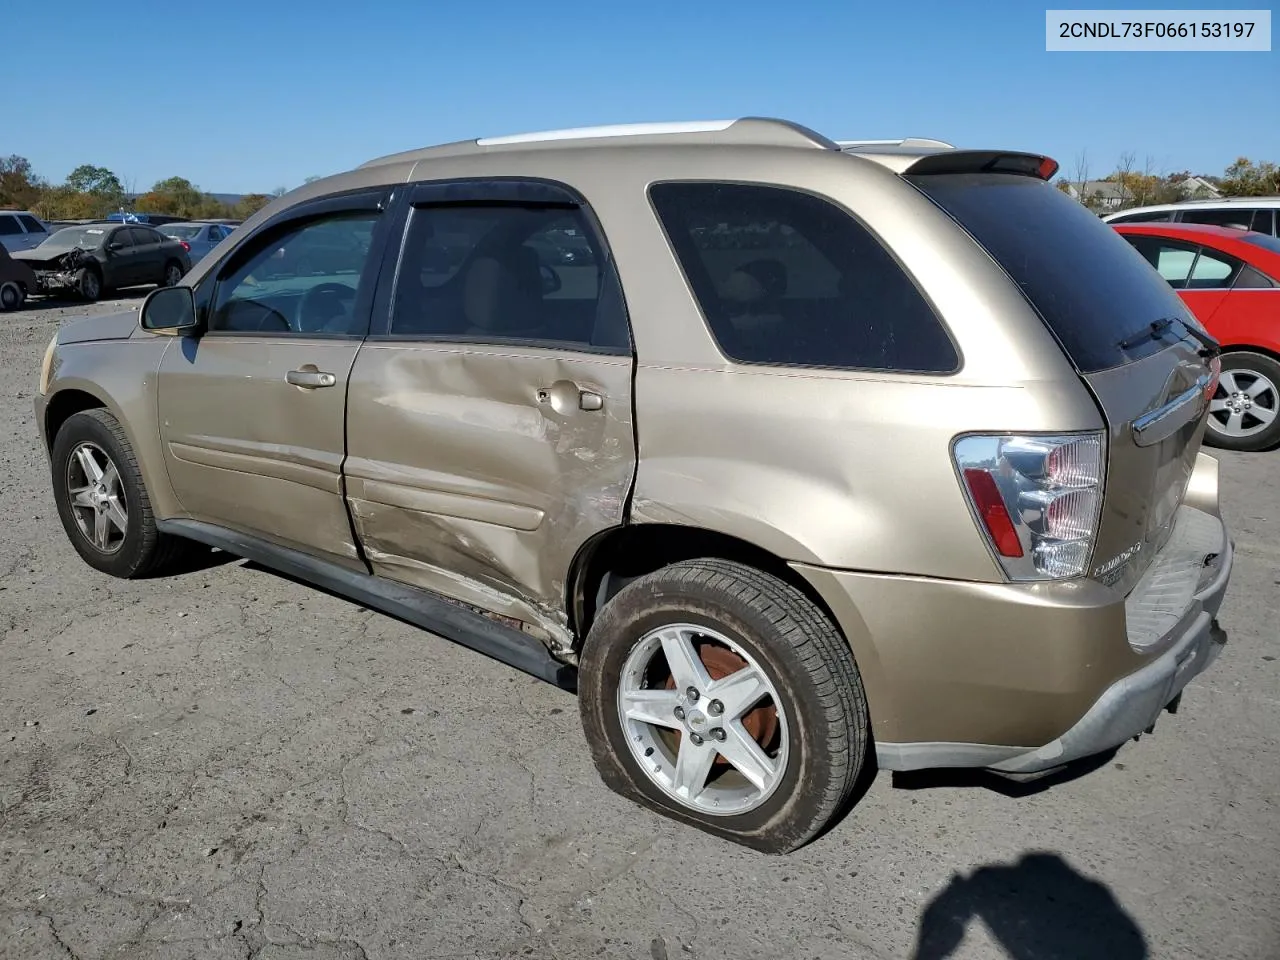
(1262, 222)
(786, 278)
(1239, 218)
(1092, 289)
(1159, 216)
(9, 225)
(1172, 260)
(31, 223)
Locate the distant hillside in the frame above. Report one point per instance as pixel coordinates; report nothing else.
(230, 199)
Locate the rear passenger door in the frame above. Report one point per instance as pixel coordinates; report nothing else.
(489, 419)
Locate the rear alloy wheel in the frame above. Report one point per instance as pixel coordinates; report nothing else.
(723, 697)
(11, 295)
(1244, 413)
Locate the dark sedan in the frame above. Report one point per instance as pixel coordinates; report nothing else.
(98, 257)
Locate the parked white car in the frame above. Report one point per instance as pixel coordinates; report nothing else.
(1260, 214)
(21, 230)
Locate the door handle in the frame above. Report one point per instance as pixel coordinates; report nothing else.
(565, 395)
(310, 379)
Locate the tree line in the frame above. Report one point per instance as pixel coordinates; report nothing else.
(92, 192)
(1136, 186)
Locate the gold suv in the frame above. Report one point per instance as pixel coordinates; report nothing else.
(791, 455)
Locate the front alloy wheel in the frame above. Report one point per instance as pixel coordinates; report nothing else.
(1244, 413)
(97, 497)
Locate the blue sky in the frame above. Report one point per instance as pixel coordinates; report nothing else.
(242, 96)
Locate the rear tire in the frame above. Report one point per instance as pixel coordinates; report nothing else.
(1245, 411)
(172, 274)
(102, 501)
(807, 754)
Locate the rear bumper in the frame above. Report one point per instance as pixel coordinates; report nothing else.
(1024, 678)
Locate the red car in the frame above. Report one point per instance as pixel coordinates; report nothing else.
(1231, 281)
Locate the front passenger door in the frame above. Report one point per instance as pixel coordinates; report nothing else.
(252, 412)
(122, 259)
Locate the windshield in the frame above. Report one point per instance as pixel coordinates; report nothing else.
(1262, 240)
(1091, 287)
(84, 237)
(181, 232)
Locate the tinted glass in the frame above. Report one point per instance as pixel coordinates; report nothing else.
(786, 278)
(181, 232)
(1163, 216)
(1213, 270)
(304, 280)
(142, 236)
(534, 274)
(1237, 217)
(1173, 261)
(121, 238)
(9, 225)
(1251, 278)
(1090, 286)
(1262, 222)
(32, 224)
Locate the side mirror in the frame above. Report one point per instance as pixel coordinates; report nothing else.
(114, 247)
(169, 309)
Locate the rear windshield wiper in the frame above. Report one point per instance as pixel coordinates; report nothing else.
(1150, 331)
(1208, 346)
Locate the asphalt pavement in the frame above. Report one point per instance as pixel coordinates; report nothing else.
(227, 764)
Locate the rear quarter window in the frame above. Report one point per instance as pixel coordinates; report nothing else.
(1092, 289)
(786, 278)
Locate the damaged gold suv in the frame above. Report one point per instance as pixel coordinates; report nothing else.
(791, 455)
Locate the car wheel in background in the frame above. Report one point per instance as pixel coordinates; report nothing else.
(172, 274)
(89, 283)
(102, 501)
(1244, 413)
(11, 295)
(723, 697)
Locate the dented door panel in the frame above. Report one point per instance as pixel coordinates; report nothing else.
(477, 471)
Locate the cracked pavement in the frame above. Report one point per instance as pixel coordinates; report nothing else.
(227, 764)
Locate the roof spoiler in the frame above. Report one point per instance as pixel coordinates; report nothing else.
(984, 161)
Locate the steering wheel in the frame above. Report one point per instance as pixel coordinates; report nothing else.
(331, 305)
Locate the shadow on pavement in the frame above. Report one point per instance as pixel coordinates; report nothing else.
(1038, 908)
(985, 779)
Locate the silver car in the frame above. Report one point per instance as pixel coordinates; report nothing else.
(20, 230)
(198, 238)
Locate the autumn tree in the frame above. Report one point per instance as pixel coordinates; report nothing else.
(20, 188)
(249, 204)
(1244, 178)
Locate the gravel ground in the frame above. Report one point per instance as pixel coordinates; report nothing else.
(226, 764)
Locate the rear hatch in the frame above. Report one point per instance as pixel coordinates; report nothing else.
(1131, 338)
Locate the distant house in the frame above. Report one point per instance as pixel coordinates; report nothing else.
(1198, 188)
(1104, 194)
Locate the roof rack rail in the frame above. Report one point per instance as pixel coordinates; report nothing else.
(904, 142)
(752, 131)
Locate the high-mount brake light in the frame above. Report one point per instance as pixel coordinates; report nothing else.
(1037, 499)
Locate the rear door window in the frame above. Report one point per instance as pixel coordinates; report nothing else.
(1172, 260)
(1236, 217)
(1262, 222)
(31, 223)
(9, 225)
(789, 279)
(1092, 289)
(1213, 271)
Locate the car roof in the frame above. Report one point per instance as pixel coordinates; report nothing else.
(1224, 203)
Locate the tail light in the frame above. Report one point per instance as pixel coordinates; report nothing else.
(185, 246)
(1036, 498)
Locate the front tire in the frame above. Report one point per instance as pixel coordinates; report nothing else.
(102, 501)
(172, 274)
(11, 295)
(89, 284)
(1244, 413)
(723, 697)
